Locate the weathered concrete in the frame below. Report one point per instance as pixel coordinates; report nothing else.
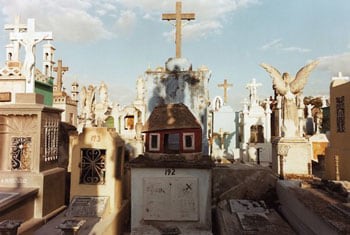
(249, 222)
(311, 211)
(238, 181)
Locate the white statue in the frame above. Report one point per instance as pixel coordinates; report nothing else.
(28, 40)
(103, 91)
(140, 86)
(289, 88)
(309, 110)
(87, 102)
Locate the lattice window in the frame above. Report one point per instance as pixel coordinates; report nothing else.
(92, 166)
(340, 114)
(51, 139)
(21, 148)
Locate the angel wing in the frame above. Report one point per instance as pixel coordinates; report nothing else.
(278, 82)
(300, 80)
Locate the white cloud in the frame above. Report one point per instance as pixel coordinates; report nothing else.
(126, 21)
(210, 15)
(335, 63)
(82, 21)
(296, 49)
(68, 20)
(277, 44)
(196, 30)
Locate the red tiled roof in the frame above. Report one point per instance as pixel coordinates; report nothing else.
(170, 116)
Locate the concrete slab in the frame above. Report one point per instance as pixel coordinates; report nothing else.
(228, 223)
(311, 211)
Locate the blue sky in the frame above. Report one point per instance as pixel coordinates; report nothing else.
(115, 41)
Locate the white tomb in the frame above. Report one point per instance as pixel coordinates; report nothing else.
(171, 182)
(224, 131)
(256, 128)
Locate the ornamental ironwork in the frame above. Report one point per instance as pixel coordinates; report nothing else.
(92, 166)
(51, 139)
(340, 114)
(20, 153)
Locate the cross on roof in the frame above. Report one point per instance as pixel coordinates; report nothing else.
(60, 71)
(28, 40)
(16, 28)
(252, 89)
(178, 17)
(225, 86)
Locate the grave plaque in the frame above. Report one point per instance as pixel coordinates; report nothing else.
(170, 199)
(247, 206)
(253, 221)
(86, 206)
(5, 96)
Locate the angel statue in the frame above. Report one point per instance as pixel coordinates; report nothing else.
(87, 101)
(289, 89)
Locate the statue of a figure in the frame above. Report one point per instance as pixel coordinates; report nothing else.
(103, 91)
(29, 61)
(87, 101)
(289, 88)
(140, 86)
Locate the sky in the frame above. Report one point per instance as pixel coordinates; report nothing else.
(116, 41)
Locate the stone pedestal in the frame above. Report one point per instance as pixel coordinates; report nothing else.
(170, 195)
(97, 165)
(291, 157)
(29, 152)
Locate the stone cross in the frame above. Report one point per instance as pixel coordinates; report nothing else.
(29, 39)
(225, 86)
(252, 89)
(178, 17)
(60, 71)
(17, 27)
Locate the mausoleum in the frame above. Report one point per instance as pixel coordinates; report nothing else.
(171, 182)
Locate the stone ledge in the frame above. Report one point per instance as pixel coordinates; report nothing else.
(146, 162)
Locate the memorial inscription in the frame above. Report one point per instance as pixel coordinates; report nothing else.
(85, 206)
(170, 199)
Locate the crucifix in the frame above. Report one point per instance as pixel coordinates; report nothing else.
(178, 17)
(225, 86)
(28, 40)
(60, 71)
(17, 27)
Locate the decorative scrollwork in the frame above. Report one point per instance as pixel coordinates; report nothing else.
(20, 153)
(340, 114)
(51, 139)
(92, 169)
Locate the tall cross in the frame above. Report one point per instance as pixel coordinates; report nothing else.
(252, 89)
(225, 86)
(28, 40)
(16, 28)
(60, 71)
(178, 17)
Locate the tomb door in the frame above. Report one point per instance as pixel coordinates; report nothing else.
(172, 143)
(256, 134)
